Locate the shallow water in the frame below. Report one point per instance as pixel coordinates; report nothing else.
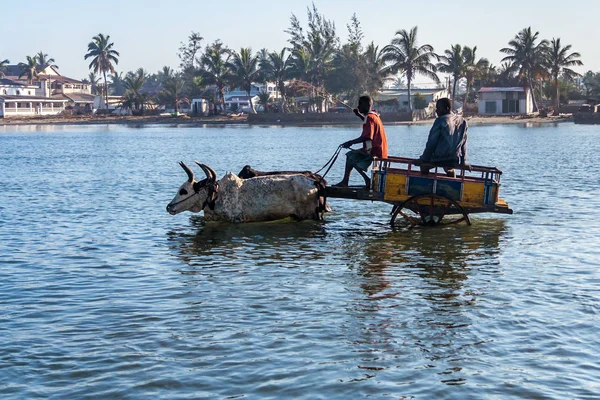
(105, 295)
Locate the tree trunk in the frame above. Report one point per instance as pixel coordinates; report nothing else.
(222, 94)
(535, 107)
(467, 94)
(557, 101)
(252, 110)
(176, 108)
(453, 94)
(409, 102)
(105, 90)
(283, 102)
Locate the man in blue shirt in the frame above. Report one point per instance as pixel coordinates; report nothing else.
(447, 142)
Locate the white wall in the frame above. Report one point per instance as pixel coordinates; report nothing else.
(525, 105)
(23, 90)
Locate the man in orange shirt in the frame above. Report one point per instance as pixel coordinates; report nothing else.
(373, 139)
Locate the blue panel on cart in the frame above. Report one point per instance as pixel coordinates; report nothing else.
(450, 189)
(419, 185)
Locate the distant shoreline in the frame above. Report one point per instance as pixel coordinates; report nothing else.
(242, 120)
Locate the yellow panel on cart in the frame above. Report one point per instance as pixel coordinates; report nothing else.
(395, 187)
(473, 193)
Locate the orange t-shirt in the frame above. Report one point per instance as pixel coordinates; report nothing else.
(373, 130)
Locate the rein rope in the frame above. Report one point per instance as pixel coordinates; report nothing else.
(331, 161)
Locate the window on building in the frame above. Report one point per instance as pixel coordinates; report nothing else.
(490, 107)
(29, 92)
(510, 106)
(18, 92)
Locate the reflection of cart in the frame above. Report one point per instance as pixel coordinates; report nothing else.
(432, 199)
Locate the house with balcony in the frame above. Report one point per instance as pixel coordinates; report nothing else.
(20, 99)
(504, 101)
(49, 94)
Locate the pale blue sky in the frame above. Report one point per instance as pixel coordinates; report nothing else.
(148, 33)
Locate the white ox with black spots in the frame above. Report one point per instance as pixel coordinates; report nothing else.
(263, 198)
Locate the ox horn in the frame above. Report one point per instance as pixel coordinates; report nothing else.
(188, 171)
(210, 173)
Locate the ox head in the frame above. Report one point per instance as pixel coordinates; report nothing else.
(193, 195)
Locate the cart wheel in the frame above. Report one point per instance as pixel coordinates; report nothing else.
(430, 210)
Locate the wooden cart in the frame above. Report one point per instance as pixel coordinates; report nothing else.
(432, 199)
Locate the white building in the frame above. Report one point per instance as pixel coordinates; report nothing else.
(237, 99)
(504, 101)
(49, 94)
(401, 96)
(18, 99)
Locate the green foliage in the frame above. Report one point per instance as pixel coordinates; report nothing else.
(244, 71)
(419, 101)
(172, 91)
(404, 55)
(265, 99)
(103, 56)
(591, 84)
(215, 69)
(3, 64)
(188, 52)
(134, 82)
(313, 51)
(453, 63)
(30, 69)
(44, 61)
(526, 56)
(275, 67)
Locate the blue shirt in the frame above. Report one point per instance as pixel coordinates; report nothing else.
(447, 140)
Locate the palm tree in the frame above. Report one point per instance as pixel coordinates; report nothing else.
(559, 62)
(404, 55)
(117, 84)
(215, 63)
(94, 81)
(276, 68)
(474, 68)
(165, 73)
(591, 83)
(44, 61)
(264, 98)
(30, 69)
(134, 82)
(376, 71)
(526, 56)
(100, 49)
(171, 93)
(3, 64)
(452, 62)
(244, 71)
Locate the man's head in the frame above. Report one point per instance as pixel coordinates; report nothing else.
(443, 106)
(364, 104)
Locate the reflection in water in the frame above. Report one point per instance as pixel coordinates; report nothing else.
(213, 241)
(436, 265)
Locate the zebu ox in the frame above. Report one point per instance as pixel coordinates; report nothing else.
(264, 198)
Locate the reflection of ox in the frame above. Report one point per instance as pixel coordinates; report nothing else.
(263, 198)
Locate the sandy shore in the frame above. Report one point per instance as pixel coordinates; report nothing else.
(225, 120)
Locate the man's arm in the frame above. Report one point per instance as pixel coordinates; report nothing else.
(354, 141)
(367, 134)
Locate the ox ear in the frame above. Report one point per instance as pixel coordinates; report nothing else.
(211, 175)
(188, 171)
